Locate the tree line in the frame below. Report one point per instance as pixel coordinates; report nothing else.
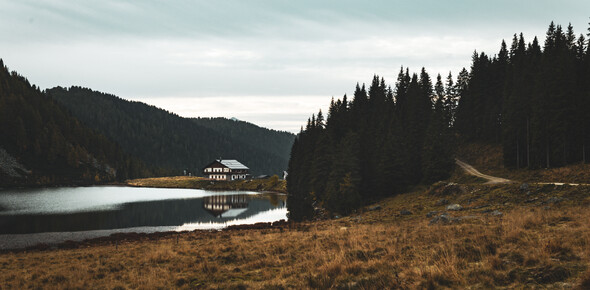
(164, 140)
(375, 145)
(53, 146)
(531, 100)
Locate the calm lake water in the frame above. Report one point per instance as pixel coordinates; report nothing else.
(53, 215)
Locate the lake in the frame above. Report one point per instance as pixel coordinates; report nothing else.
(53, 215)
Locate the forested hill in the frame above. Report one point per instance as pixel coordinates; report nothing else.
(276, 142)
(42, 144)
(531, 98)
(166, 140)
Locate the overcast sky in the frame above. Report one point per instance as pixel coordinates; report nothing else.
(272, 63)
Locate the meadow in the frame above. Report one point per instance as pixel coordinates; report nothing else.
(505, 236)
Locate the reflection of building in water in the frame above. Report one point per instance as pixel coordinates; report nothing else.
(226, 206)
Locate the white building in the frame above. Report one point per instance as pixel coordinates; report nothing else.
(226, 170)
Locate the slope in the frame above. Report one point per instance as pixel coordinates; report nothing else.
(276, 142)
(164, 139)
(41, 144)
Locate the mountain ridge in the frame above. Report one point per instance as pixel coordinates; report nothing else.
(42, 144)
(164, 139)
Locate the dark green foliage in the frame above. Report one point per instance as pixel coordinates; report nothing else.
(372, 147)
(54, 146)
(277, 143)
(532, 100)
(437, 153)
(163, 139)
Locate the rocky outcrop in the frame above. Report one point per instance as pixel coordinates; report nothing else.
(10, 166)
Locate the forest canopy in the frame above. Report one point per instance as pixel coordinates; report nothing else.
(165, 140)
(49, 145)
(532, 99)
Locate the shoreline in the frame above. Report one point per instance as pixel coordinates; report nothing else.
(193, 182)
(49, 241)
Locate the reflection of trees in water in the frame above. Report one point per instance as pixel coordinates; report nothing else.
(171, 212)
(276, 199)
(220, 204)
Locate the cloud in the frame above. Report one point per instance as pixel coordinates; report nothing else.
(279, 113)
(233, 49)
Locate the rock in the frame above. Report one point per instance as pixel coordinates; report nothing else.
(440, 219)
(431, 214)
(524, 187)
(375, 207)
(481, 206)
(531, 200)
(444, 219)
(442, 188)
(442, 201)
(405, 212)
(496, 213)
(454, 207)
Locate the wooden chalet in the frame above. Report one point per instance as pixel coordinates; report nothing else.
(226, 170)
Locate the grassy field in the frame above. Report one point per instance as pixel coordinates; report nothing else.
(271, 184)
(505, 236)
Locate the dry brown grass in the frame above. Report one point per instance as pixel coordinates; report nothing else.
(167, 182)
(531, 245)
(271, 184)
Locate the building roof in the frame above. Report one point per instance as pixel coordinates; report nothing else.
(233, 164)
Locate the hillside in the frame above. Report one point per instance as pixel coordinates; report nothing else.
(163, 139)
(42, 144)
(276, 142)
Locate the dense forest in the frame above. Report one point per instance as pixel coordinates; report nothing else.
(41, 144)
(531, 100)
(165, 140)
(276, 142)
(373, 146)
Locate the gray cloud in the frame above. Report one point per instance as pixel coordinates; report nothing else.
(275, 50)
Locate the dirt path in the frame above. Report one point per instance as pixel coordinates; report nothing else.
(472, 171)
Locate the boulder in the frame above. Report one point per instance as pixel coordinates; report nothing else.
(440, 219)
(442, 188)
(454, 207)
(524, 187)
(496, 213)
(405, 212)
(442, 201)
(375, 207)
(444, 218)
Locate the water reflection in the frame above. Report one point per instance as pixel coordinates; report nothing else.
(203, 210)
(226, 205)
